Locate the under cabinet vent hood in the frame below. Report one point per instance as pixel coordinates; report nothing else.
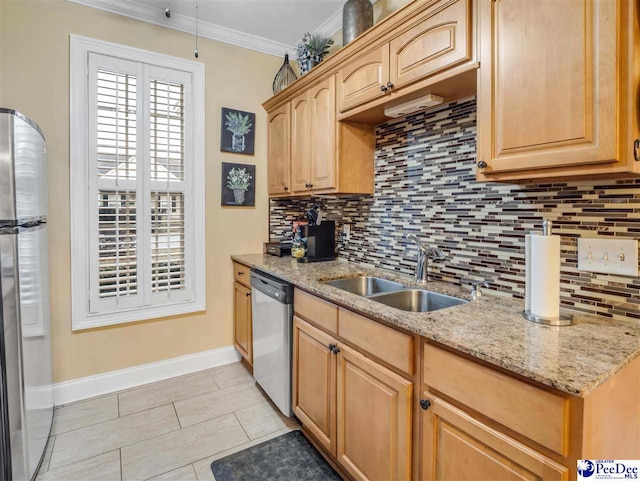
(413, 106)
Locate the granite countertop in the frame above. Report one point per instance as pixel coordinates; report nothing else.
(574, 359)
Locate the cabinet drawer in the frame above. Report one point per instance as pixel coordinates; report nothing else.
(391, 346)
(241, 274)
(316, 310)
(539, 415)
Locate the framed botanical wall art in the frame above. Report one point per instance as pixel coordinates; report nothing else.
(238, 131)
(238, 184)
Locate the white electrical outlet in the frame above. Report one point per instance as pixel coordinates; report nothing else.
(608, 256)
(346, 230)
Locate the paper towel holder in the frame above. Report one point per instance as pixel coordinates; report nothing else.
(562, 320)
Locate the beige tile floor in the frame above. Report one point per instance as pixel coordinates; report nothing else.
(170, 430)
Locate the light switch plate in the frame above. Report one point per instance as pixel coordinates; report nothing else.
(608, 256)
(346, 230)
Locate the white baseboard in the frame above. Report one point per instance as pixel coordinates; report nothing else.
(108, 382)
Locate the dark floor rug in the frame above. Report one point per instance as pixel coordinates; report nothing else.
(289, 457)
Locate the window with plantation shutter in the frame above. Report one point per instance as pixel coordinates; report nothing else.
(137, 184)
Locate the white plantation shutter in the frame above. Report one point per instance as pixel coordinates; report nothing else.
(117, 264)
(170, 173)
(167, 130)
(115, 110)
(167, 242)
(143, 192)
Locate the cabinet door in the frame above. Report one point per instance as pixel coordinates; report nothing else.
(242, 336)
(547, 86)
(301, 139)
(279, 159)
(374, 419)
(457, 447)
(442, 40)
(314, 382)
(323, 134)
(360, 80)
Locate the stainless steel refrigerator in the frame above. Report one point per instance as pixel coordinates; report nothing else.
(26, 397)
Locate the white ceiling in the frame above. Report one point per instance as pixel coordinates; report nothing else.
(270, 26)
(283, 21)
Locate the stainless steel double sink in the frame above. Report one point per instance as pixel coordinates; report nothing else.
(396, 295)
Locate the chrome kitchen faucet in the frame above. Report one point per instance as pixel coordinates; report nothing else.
(424, 254)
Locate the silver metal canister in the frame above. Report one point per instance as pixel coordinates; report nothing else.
(357, 16)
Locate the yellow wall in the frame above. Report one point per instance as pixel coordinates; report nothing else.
(34, 75)
(381, 10)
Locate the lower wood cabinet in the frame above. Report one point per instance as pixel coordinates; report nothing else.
(358, 410)
(374, 419)
(314, 382)
(455, 446)
(354, 393)
(242, 328)
(541, 415)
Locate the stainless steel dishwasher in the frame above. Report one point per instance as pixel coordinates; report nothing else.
(272, 306)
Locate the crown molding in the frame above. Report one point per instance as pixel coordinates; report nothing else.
(333, 24)
(183, 23)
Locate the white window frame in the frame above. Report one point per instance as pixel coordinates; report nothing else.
(83, 205)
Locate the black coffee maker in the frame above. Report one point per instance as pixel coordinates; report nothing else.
(321, 238)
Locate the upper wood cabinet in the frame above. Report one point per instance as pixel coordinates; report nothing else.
(279, 140)
(323, 135)
(438, 42)
(374, 419)
(313, 138)
(311, 152)
(428, 46)
(457, 446)
(300, 143)
(363, 79)
(555, 88)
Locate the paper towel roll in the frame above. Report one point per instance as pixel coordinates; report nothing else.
(527, 280)
(545, 275)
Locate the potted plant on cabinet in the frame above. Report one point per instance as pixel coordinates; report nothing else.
(312, 50)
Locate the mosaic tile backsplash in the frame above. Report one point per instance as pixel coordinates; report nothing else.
(425, 184)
